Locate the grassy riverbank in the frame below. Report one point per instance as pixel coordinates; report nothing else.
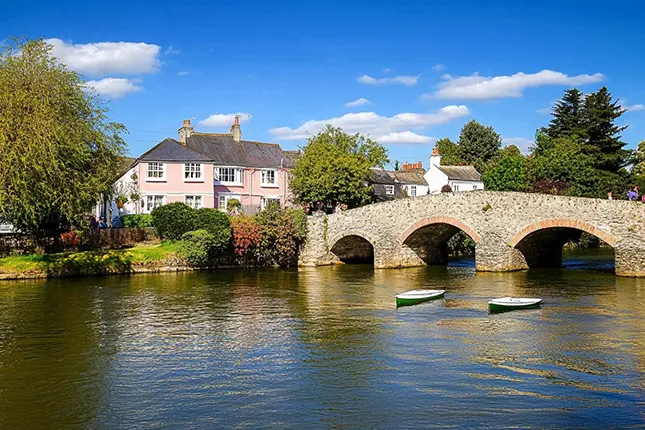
(141, 258)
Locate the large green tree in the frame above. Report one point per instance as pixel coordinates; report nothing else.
(449, 152)
(568, 115)
(334, 168)
(509, 173)
(478, 144)
(58, 151)
(602, 132)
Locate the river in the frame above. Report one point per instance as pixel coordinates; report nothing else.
(324, 348)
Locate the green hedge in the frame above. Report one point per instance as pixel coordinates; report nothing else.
(216, 223)
(173, 220)
(199, 247)
(137, 221)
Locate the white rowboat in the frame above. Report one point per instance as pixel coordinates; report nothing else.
(513, 303)
(417, 296)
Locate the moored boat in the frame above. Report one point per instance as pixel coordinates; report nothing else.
(513, 303)
(417, 296)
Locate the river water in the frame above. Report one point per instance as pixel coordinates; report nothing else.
(324, 348)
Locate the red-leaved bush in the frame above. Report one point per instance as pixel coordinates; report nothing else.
(70, 239)
(246, 236)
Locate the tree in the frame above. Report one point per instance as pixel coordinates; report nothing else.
(478, 144)
(449, 152)
(508, 173)
(603, 135)
(397, 165)
(334, 167)
(639, 159)
(568, 116)
(58, 151)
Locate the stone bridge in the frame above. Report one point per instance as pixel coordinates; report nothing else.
(512, 231)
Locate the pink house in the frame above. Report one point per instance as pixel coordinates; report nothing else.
(205, 170)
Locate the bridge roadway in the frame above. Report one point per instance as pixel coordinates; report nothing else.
(512, 231)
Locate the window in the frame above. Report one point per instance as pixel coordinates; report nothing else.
(474, 187)
(228, 175)
(413, 190)
(156, 171)
(456, 187)
(389, 190)
(153, 202)
(268, 177)
(192, 172)
(266, 201)
(223, 201)
(194, 202)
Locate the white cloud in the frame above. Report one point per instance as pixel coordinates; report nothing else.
(544, 111)
(387, 70)
(438, 67)
(405, 80)
(223, 119)
(377, 126)
(634, 108)
(477, 87)
(521, 142)
(171, 51)
(114, 88)
(182, 73)
(404, 137)
(358, 102)
(100, 59)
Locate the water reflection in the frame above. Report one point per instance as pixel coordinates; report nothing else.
(323, 347)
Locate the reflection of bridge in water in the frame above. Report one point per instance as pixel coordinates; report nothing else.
(512, 231)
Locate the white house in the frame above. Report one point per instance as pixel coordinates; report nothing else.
(460, 178)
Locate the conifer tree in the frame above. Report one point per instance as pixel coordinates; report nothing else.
(568, 116)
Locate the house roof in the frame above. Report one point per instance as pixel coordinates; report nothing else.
(461, 173)
(223, 150)
(381, 176)
(413, 176)
(171, 150)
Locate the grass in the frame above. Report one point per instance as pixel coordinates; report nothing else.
(140, 254)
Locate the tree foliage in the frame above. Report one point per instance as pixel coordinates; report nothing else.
(508, 173)
(449, 152)
(334, 167)
(568, 116)
(58, 151)
(478, 144)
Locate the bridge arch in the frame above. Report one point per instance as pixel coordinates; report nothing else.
(353, 247)
(429, 237)
(541, 243)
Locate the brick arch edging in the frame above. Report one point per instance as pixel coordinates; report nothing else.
(566, 223)
(440, 220)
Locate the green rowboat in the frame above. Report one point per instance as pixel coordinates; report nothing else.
(417, 296)
(506, 304)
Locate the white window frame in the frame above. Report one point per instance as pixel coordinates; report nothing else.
(162, 171)
(263, 178)
(193, 172)
(226, 198)
(266, 200)
(474, 187)
(194, 200)
(238, 175)
(455, 187)
(413, 190)
(153, 197)
(389, 190)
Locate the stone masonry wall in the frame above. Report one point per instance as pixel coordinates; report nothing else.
(497, 222)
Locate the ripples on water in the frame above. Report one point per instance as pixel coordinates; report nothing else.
(324, 347)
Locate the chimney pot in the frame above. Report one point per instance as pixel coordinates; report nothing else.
(186, 122)
(435, 151)
(237, 120)
(185, 131)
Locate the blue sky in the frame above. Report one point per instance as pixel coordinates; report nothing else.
(424, 67)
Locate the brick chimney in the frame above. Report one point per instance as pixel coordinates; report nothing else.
(236, 131)
(185, 131)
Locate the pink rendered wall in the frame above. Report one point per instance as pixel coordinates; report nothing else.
(174, 187)
(252, 191)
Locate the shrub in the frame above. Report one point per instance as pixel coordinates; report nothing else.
(281, 233)
(246, 237)
(234, 206)
(173, 220)
(198, 247)
(216, 223)
(137, 221)
(446, 189)
(70, 239)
